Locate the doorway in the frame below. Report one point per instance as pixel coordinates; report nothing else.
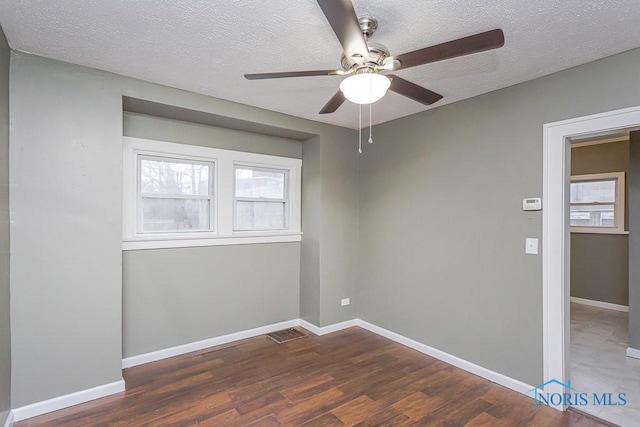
(557, 140)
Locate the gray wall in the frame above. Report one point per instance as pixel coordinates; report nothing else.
(441, 223)
(338, 229)
(67, 127)
(310, 248)
(149, 127)
(5, 321)
(66, 173)
(178, 296)
(634, 240)
(600, 262)
(600, 267)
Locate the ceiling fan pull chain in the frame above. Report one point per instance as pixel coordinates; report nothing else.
(360, 131)
(370, 124)
(370, 90)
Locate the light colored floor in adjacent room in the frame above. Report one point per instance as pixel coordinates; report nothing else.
(598, 361)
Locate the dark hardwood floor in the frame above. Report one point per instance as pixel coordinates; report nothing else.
(351, 377)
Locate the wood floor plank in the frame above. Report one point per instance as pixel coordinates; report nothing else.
(417, 405)
(268, 421)
(325, 420)
(309, 387)
(311, 407)
(350, 377)
(484, 420)
(225, 419)
(265, 404)
(357, 410)
(387, 417)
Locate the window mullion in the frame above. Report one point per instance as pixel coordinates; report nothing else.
(176, 196)
(260, 199)
(593, 203)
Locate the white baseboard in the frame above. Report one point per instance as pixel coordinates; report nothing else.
(327, 329)
(9, 421)
(200, 345)
(633, 352)
(488, 374)
(600, 304)
(65, 401)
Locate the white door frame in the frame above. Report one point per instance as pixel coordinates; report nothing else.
(555, 231)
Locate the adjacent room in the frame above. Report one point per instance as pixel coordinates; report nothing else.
(599, 218)
(328, 212)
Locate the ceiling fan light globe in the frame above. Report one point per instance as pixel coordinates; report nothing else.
(365, 88)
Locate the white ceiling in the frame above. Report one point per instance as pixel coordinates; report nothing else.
(205, 46)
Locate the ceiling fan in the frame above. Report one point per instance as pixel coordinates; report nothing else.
(367, 63)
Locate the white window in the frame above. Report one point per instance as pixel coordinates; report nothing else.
(261, 198)
(177, 195)
(174, 195)
(597, 203)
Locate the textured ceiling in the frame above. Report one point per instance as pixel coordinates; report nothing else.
(205, 46)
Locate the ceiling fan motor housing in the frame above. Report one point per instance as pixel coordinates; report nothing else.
(377, 52)
(377, 55)
(368, 25)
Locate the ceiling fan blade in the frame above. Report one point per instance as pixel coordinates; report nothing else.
(333, 104)
(472, 44)
(260, 76)
(413, 91)
(342, 18)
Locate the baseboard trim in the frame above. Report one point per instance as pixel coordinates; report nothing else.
(327, 329)
(488, 374)
(210, 342)
(600, 304)
(633, 352)
(9, 421)
(67, 400)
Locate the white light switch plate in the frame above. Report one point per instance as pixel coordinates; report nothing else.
(531, 246)
(345, 301)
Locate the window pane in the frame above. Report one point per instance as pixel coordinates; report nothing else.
(593, 216)
(175, 215)
(260, 216)
(260, 183)
(593, 191)
(174, 177)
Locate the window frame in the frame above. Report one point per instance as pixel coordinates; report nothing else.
(286, 200)
(210, 196)
(618, 205)
(223, 197)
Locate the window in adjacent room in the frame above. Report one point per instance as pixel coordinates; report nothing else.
(597, 203)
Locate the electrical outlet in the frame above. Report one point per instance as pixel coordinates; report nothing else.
(345, 301)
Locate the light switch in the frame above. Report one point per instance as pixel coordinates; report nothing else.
(531, 246)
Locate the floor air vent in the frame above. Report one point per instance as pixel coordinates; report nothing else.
(286, 335)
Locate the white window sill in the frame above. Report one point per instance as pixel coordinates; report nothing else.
(156, 242)
(597, 231)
